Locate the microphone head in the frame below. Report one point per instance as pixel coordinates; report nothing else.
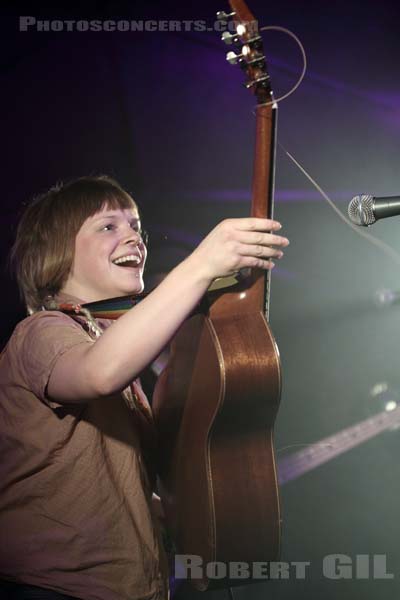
(361, 211)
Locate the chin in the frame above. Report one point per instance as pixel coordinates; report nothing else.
(137, 289)
(126, 288)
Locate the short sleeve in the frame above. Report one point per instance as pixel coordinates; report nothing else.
(38, 342)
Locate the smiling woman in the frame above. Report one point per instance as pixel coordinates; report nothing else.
(109, 256)
(77, 437)
(50, 225)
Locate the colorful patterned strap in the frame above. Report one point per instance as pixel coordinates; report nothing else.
(112, 308)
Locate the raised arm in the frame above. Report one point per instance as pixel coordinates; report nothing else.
(136, 338)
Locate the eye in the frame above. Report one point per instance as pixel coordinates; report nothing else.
(108, 227)
(137, 229)
(142, 233)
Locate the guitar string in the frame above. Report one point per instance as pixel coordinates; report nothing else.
(386, 248)
(303, 54)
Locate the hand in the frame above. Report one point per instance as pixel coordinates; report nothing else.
(238, 243)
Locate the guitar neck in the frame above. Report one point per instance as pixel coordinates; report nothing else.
(264, 177)
(293, 466)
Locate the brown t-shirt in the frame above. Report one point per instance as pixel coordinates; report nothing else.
(75, 493)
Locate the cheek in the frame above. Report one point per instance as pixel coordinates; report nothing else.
(87, 256)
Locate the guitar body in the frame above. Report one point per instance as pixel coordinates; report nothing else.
(215, 407)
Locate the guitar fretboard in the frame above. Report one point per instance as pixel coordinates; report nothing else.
(293, 466)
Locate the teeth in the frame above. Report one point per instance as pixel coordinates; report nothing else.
(131, 258)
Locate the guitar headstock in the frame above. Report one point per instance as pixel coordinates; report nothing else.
(249, 52)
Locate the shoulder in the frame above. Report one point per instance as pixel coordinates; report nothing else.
(46, 323)
(46, 317)
(37, 343)
(45, 334)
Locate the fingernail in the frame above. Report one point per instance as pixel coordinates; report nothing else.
(272, 264)
(278, 225)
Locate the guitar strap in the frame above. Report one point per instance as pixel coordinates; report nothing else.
(111, 308)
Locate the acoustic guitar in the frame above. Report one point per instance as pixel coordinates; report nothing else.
(216, 402)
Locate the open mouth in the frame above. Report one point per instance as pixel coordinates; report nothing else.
(132, 261)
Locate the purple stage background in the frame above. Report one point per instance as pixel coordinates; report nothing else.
(168, 117)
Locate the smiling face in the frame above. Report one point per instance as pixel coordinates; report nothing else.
(105, 237)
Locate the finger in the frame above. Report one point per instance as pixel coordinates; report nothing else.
(259, 251)
(257, 224)
(261, 239)
(258, 263)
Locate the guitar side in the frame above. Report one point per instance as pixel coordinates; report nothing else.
(217, 473)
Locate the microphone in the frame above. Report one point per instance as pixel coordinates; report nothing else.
(365, 209)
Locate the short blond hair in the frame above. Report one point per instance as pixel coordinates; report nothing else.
(43, 251)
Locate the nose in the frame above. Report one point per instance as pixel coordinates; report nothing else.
(130, 236)
(133, 237)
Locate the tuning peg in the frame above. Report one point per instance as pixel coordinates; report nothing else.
(223, 16)
(234, 58)
(230, 38)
